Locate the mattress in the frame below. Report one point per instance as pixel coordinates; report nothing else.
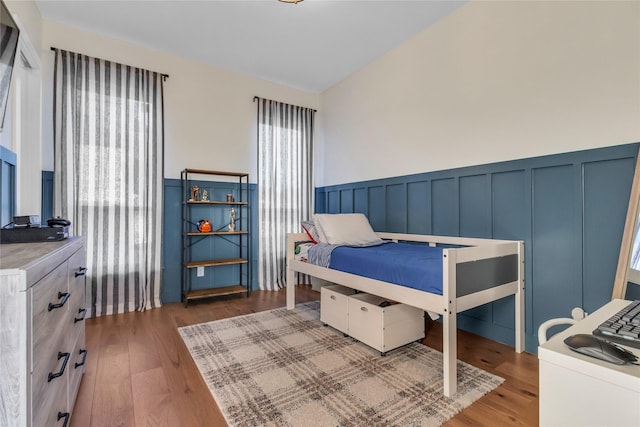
(412, 265)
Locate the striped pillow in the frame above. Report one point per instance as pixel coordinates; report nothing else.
(310, 228)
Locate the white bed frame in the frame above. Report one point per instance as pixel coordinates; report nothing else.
(452, 300)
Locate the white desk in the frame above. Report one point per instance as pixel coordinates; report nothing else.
(578, 390)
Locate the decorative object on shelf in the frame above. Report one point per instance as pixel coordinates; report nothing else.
(195, 194)
(232, 222)
(204, 226)
(205, 196)
(230, 198)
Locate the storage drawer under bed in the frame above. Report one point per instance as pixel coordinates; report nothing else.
(334, 306)
(383, 327)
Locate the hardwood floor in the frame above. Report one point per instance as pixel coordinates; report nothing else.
(139, 373)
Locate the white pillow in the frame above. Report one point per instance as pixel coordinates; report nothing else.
(345, 229)
(322, 238)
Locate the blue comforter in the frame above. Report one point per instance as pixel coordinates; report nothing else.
(410, 265)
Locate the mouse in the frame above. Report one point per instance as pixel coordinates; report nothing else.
(600, 349)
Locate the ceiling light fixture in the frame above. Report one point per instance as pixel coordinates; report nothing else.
(290, 1)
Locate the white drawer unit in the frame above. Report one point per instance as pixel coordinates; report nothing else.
(383, 328)
(42, 341)
(334, 306)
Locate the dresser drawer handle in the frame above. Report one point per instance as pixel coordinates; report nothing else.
(333, 297)
(64, 366)
(84, 358)
(63, 296)
(64, 415)
(364, 309)
(82, 312)
(81, 271)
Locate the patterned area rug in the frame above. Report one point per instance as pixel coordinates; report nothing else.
(284, 368)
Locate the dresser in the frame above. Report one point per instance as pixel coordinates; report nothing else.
(42, 337)
(578, 390)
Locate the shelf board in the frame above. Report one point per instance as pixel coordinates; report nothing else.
(209, 172)
(216, 233)
(215, 202)
(215, 262)
(214, 292)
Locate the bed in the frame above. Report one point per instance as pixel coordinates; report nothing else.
(474, 272)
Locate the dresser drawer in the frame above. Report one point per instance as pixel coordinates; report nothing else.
(384, 328)
(334, 309)
(49, 398)
(77, 300)
(51, 317)
(76, 369)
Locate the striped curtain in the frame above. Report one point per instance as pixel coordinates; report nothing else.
(108, 138)
(285, 183)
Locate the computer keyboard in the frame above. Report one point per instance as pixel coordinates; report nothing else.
(623, 327)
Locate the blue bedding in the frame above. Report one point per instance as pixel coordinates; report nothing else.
(413, 266)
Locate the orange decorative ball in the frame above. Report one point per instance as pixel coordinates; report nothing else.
(204, 226)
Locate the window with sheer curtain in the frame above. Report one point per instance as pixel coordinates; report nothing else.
(285, 183)
(108, 138)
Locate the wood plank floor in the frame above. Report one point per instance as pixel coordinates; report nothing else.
(139, 373)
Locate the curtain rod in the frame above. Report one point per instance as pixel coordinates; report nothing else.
(255, 98)
(165, 76)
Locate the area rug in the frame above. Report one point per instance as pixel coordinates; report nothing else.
(285, 368)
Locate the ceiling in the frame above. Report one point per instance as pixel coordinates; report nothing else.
(311, 45)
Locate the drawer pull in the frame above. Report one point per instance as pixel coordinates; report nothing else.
(333, 297)
(63, 297)
(64, 366)
(81, 271)
(64, 415)
(84, 358)
(82, 312)
(364, 309)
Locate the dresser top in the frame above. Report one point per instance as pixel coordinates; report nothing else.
(556, 351)
(30, 257)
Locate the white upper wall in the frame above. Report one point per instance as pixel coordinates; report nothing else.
(29, 18)
(210, 116)
(492, 81)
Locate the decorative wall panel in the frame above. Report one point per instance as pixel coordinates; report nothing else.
(568, 208)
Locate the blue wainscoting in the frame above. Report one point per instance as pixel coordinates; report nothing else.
(569, 209)
(47, 196)
(202, 248)
(7, 185)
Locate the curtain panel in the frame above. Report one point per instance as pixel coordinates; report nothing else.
(285, 183)
(108, 139)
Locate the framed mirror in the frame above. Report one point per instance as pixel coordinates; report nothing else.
(628, 269)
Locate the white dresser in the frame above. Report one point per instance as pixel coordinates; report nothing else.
(42, 341)
(578, 390)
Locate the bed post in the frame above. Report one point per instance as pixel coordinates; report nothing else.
(519, 297)
(449, 323)
(291, 285)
